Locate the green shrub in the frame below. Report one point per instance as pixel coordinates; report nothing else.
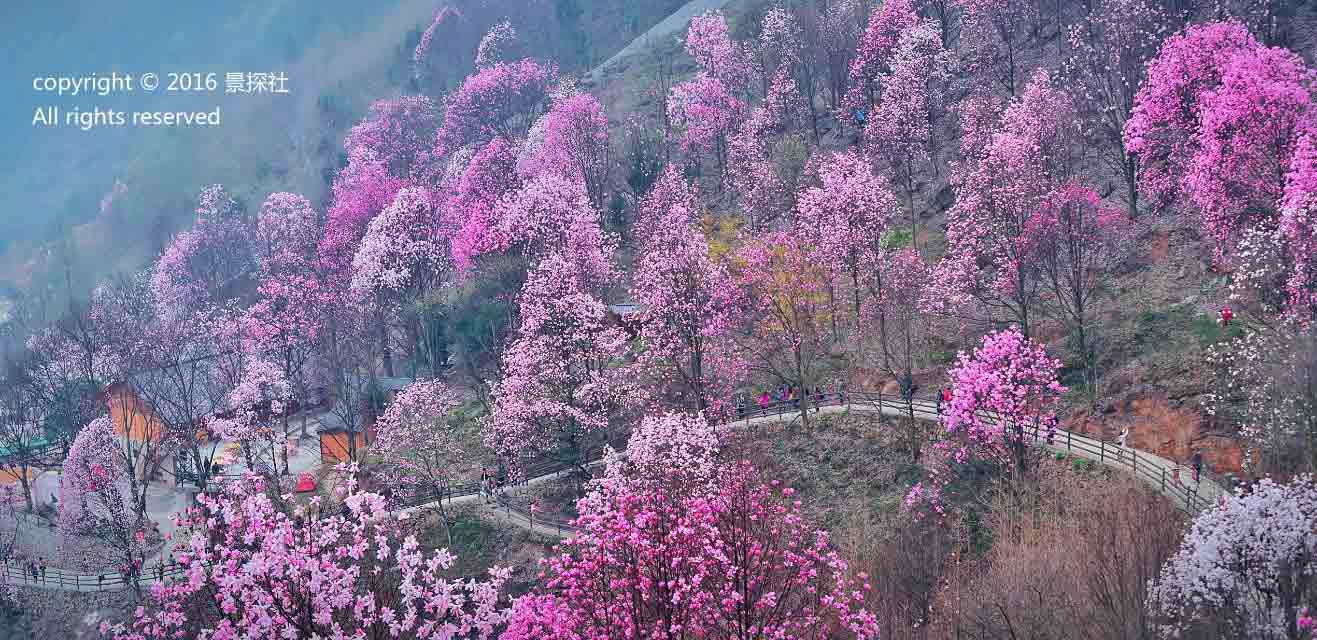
(897, 239)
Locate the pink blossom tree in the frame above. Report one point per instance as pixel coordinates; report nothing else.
(1109, 51)
(254, 569)
(1006, 386)
(360, 191)
(903, 329)
(562, 381)
(502, 100)
(575, 143)
(705, 112)
(877, 46)
(498, 45)
(401, 251)
(989, 241)
(259, 396)
(284, 322)
(677, 284)
(475, 189)
(92, 502)
(1298, 226)
(994, 37)
(1163, 129)
(208, 265)
(844, 219)
(1248, 128)
(787, 332)
(720, 57)
(400, 132)
(1080, 243)
(757, 167)
(552, 214)
(1245, 568)
(660, 560)
(415, 442)
(401, 261)
(1265, 385)
(902, 134)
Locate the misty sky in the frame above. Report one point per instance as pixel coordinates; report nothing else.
(54, 178)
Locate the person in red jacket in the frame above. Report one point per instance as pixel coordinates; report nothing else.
(1226, 316)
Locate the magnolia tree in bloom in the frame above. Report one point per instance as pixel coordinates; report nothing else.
(672, 543)
(360, 191)
(712, 47)
(1249, 127)
(257, 398)
(990, 244)
(875, 51)
(562, 381)
(92, 502)
(759, 168)
(209, 264)
(401, 251)
(502, 100)
(575, 144)
(994, 36)
(255, 570)
(894, 318)
(788, 330)
(1217, 124)
(1267, 384)
(400, 132)
(475, 186)
(844, 218)
(1246, 568)
(902, 135)
(387, 150)
(1079, 242)
(684, 317)
(1007, 386)
(499, 45)
(706, 112)
(1109, 52)
(415, 442)
(285, 321)
(1298, 227)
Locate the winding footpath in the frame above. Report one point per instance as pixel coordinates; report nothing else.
(1165, 476)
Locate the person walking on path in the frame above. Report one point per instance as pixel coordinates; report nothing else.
(763, 401)
(1197, 464)
(42, 561)
(1124, 437)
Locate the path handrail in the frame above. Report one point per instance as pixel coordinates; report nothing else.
(1148, 467)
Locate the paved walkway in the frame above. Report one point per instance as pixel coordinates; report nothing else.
(1152, 469)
